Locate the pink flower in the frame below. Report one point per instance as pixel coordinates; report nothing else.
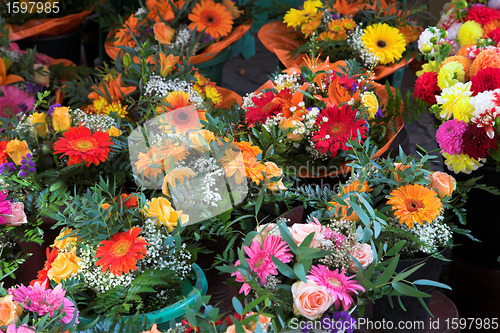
(300, 231)
(38, 299)
(17, 216)
(364, 254)
(337, 283)
(21, 329)
(14, 101)
(5, 207)
(449, 136)
(310, 299)
(259, 259)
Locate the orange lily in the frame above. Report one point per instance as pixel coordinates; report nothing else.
(337, 94)
(316, 65)
(7, 79)
(348, 8)
(293, 101)
(114, 88)
(162, 6)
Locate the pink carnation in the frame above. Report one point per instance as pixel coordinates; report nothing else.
(449, 136)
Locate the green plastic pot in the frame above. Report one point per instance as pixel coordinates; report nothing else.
(163, 316)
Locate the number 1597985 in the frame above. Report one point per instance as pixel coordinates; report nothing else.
(32, 7)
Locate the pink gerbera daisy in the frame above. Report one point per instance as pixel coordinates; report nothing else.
(38, 299)
(260, 259)
(5, 207)
(14, 101)
(340, 286)
(449, 136)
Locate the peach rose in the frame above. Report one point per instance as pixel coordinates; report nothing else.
(232, 329)
(263, 230)
(17, 150)
(17, 216)
(61, 120)
(163, 33)
(399, 166)
(65, 265)
(272, 171)
(9, 310)
(364, 254)
(41, 78)
(264, 322)
(310, 299)
(443, 183)
(300, 231)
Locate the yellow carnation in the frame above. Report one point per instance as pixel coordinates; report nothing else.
(213, 94)
(463, 110)
(450, 74)
(462, 163)
(431, 66)
(450, 98)
(469, 32)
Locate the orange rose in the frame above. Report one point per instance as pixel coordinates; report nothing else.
(163, 33)
(9, 311)
(17, 150)
(113, 131)
(272, 171)
(61, 121)
(179, 175)
(65, 265)
(399, 166)
(443, 183)
(310, 299)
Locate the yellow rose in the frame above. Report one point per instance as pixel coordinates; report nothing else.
(163, 33)
(370, 101)
(180, 175)
(61, 121)
(272, 170)
(162, 209)
(39, 122)
(17, 150)
(65, 265)
(41, 78)
(113, 131)
(9, 311)
(63, 243)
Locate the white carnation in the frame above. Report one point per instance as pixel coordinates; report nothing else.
(483, 101)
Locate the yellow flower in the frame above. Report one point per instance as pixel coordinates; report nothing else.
(65, 265)
(295, 17)
(115, 107)
(61, 121)
(176, 175)
(162, 209)
(370, 101)
(310, 27)
(213, 94)
(17, 150)
(450, 74)
(469, 32)
(462, 163)
(450, 97)
(348, 23)
(39, 123)
(271, 170)
(431, 66)
(113, 131)
(386, 42)
(68, 241)
(463, 110)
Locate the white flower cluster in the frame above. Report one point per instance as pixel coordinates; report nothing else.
(161, 256)
(95, 122)
(287, 81)
(13, 55)
(272, 283)
(183, 37)
(161, 87)
(315, 153)
(430, 36)
(247, 100)
(93, 275)
(369, 58)
(341, 249)
(141, 11)
(179, 328)
(211, 173)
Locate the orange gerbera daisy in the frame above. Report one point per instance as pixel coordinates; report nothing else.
(183, 119)
(356, 187)
(121, 252)
(248, 147)
(80, 145)
(415, 203)
(162, 6)
(211, 16)
(178, 100)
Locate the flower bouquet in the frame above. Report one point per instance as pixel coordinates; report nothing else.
(37, 308)
(461, 88)
(117, 257)
(312, 112)
(378, 33)
(201, 29)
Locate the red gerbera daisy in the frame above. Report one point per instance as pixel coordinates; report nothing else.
(426, 87)
(42, 274)
(3, 154)
(485, 79)
(336, 127)
(481, 14)
(121, 252)
(264, 108)
(80, 145)
(476, 142)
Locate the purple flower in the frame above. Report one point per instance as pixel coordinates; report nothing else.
(27, 164)
(379, 113)
(34, 88)
(11, 167)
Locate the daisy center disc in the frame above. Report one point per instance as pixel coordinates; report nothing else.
(120, 248)
(7, 111)
(381, 44)
(83, 145)
(414, 205)
(211, 19)
(335, 282)
(336, 128)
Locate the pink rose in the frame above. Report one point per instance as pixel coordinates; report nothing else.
(264, 230)
(310, 299)
(300, 231)
(443, 183)
(18, 216)
(364, 254)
